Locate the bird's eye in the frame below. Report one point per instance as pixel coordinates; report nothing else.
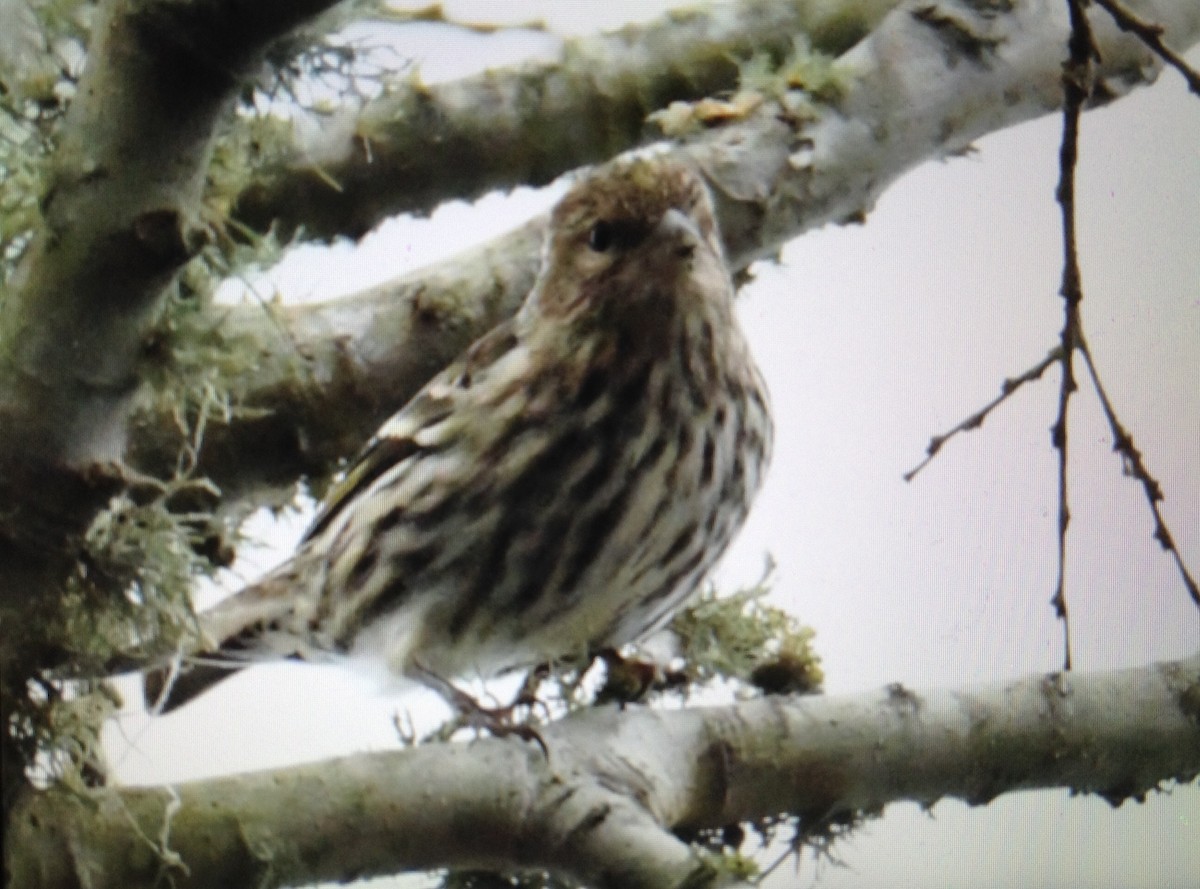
(601, 237)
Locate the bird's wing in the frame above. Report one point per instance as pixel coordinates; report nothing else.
(397, 439)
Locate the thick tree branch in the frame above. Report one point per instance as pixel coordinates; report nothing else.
(119, 212)
(925, 84)
(118, 220)
(419, 145)
(614, 783)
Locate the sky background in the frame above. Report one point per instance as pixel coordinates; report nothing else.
(872, 338)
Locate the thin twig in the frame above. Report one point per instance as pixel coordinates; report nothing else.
(1076, 79)
(1150, 33)
(1007, 388)
(1135, 467)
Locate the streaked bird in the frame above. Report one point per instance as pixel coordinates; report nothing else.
(561, 488)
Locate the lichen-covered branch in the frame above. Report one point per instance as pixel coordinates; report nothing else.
(120, 212)
(601, 805)
(418, 145)
(926, 83)
(117, 220)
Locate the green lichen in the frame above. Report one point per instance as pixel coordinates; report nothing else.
(127, 602)
(252, 145)
(796, 85)
(37, 83)
(804, 69)
(153, 549)
(22, 182)
(729, 865)
(60, 731)
(738, 636)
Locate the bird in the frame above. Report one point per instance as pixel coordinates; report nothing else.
(560, 489)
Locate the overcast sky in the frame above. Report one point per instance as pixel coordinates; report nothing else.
(873, 338)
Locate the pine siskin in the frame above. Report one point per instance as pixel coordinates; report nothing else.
(561, 488)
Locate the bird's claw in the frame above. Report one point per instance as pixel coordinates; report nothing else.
(496, 721)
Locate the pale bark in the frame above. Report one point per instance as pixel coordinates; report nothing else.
(418, 145)
(920, 87)
(601, 806)
(122, 217)
(119, 218)
(120, 214)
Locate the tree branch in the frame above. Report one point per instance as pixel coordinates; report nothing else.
(923, 85)
(417, 145)
(118, 220)
(600, 806)
(119, 211)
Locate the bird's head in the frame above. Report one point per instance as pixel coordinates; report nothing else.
(632, 242)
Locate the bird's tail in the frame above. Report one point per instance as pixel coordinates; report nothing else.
(230, 637)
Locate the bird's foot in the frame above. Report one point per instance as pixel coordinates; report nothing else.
(499, 722)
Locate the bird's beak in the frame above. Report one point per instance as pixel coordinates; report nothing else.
(680, 230)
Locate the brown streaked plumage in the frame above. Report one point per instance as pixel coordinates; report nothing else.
(562, 487)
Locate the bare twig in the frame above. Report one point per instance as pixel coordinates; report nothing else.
(1135, 467)
(1150, 33)
(1007, 388)
(1076, 77)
